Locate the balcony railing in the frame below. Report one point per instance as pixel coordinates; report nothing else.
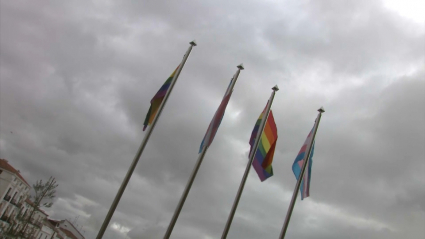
(7, 198)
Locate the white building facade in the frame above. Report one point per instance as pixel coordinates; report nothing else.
(16, 209)
(14, 191)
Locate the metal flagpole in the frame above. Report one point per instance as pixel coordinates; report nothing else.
(142, 147)
(297, 186)
(195, 170)
(248, 166)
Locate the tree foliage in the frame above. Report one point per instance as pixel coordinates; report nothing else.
(44, 193)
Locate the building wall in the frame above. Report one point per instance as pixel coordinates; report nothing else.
(13, 191)
(45, 232)
(5, 179)
(37, 220)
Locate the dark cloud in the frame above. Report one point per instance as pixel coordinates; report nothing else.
(76, 79)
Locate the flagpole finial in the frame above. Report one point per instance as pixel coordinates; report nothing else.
(321, 110)
(193, 43)
(241, 66)
(275, 88)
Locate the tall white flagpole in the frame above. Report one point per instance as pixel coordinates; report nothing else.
(297, 186)
(248, 166)
(142, 146)
(195, 169)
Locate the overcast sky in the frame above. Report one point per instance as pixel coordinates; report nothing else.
(77, 78)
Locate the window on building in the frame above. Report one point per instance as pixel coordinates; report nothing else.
(6, 210)
(14, 195)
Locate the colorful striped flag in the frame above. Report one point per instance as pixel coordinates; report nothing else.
(298, 164)
(263, 159)
(216, 120)
(157, 100)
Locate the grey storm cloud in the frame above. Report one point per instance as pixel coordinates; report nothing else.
(76, 78)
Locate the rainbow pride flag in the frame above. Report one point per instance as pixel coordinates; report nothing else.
(157, 100)
(263, 159)
(298, 164)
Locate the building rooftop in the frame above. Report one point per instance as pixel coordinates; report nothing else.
(74, 227)
(68, 233)
(5, 165)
